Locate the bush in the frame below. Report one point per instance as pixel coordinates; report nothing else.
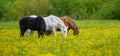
(77, 9)
(109, 10)
(21, 8)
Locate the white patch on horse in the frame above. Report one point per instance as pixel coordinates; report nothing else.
(29, 32)
(33, 16)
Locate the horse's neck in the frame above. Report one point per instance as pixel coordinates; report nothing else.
(72, 25)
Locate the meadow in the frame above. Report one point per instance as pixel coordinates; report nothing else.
(96, 38)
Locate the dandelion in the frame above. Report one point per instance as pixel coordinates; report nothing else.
(94, 41)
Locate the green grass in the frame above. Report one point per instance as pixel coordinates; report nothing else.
(96, 38)
(9, 25)
(84, 24)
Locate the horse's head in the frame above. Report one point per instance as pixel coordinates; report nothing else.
(64, 31)
(76, 31)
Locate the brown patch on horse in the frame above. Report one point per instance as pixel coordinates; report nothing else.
(69, 22)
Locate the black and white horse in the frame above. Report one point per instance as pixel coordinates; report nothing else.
(30, 23)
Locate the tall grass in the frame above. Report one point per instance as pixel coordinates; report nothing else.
(96, 38)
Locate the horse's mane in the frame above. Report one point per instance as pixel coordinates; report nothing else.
(69, 20)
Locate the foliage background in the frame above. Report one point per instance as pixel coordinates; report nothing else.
(98, 37)
(77, 9)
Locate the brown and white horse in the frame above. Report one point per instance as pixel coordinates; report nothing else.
(70, 24)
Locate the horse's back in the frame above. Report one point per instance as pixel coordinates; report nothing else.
(58, 20)
(54, 20)
(68, 21)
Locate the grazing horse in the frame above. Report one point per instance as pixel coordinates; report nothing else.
(30, 23)
(69, 22)
(53, 22)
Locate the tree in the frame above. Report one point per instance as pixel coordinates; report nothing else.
(21, 8)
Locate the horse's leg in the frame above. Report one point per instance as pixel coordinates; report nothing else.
(40, 33)
(63, 32)
(22, 32)
(29, 32)
(54, 31)
(48, 32)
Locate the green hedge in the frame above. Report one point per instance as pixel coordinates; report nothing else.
(77, 9)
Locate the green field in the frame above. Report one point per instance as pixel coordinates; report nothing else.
(96, 38)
